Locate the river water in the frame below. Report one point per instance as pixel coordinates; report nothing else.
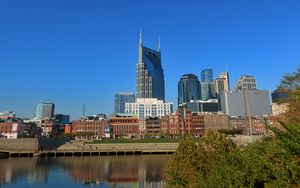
(111, 171)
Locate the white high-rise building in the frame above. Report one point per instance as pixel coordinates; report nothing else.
(149, 107)
(225, 77)
(246, 82)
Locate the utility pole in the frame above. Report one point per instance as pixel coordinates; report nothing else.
(248, 112)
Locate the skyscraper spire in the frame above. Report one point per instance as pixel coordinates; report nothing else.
(158, 44)
(83, 111)
(140, 36)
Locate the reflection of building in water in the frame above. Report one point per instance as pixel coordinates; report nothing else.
(117, 171)
(86, 170)
(123, 173)
(14, 169)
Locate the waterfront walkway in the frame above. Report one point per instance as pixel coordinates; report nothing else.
(80, 148)
(60, 147)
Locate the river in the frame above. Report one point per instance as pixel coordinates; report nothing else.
(111, 171)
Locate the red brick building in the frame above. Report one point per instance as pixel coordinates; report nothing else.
(170, 125)
(11, 129)
(68, 128)
(185, 121)
(197, 124)
(124, 126)
(153, 126)
(94, 126)
(215, 122)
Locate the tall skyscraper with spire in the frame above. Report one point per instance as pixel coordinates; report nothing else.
(150, 82)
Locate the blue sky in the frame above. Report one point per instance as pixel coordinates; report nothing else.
(72, 52)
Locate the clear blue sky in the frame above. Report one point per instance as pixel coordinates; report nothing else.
(72, 52)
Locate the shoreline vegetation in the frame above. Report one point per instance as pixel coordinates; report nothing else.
(216, 161)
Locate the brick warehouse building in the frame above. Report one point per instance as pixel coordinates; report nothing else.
(124, 126)
(11, 129)
(95, 126)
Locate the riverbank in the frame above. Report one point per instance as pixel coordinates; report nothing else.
(58, 147)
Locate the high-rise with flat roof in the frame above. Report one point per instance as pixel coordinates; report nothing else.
(150, 81)
(206, 90)
(150, 107)
(246, 82)
(207, 75)
(44, 110)
(188, 89)
(246, 102)
(225, 77)
(206, 84)
(121, 99)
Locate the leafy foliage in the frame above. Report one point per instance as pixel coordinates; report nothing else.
(231, 131)
(291, 81)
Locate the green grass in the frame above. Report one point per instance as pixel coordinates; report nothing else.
(145, 140)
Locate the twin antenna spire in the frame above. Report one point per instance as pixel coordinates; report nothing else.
(141, 40)
(140, 36)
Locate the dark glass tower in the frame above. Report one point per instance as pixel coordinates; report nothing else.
(44, 110)
(206, 84)
(207, 75)
(150, 81)
(188, 89)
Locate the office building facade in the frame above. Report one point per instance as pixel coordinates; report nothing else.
(219, 86)
(188, 89)
(121, 99)
(206, 90)
(211, 105)
(44, 110)
(246, 82)
(149, 107)
(225, 77)
(62, 119)
(207, 75)
(150, 81)
(242, 103)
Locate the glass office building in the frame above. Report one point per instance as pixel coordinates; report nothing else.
(206, 92)
(150, 81)
(44, 110)
(207, 75)
(188, 89)
(121, 99)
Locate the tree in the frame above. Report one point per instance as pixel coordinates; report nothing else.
(181, 170)
(291, 82)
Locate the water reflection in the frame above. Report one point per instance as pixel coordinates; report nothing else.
(112, 171)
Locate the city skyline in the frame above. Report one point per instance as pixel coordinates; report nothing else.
(68, 57)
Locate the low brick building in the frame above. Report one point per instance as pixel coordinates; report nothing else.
(124, 126)
(185, 121)
(11, 129)
(93, 126)
(215, 122)
(170, 125)
(153, 126)
(68, 128)
(197, 124)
